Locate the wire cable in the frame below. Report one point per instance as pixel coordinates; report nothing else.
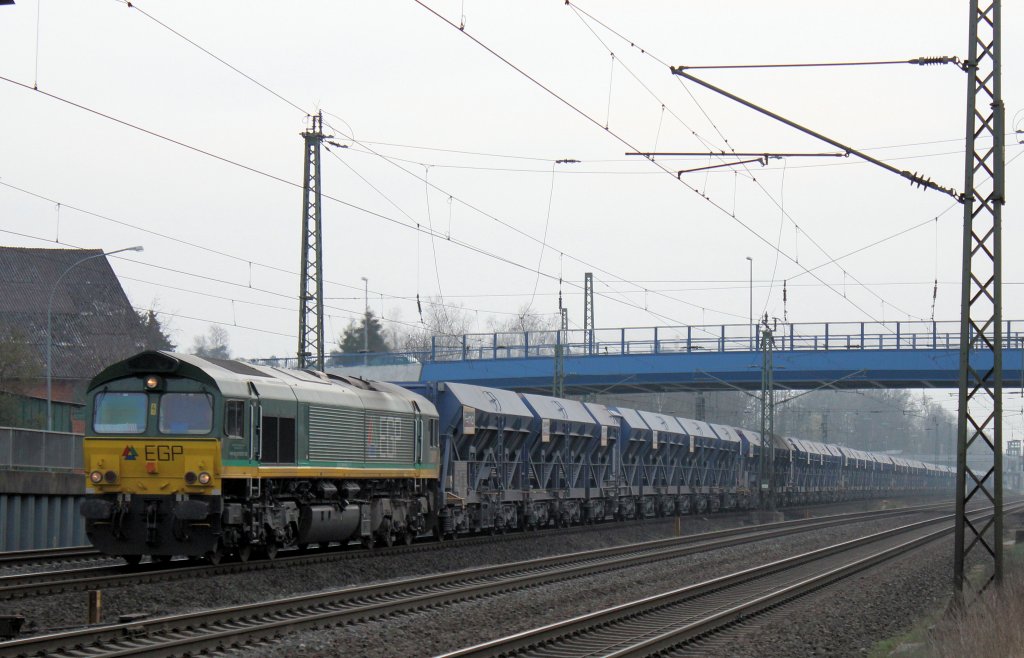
(625, 142)
(751, 175)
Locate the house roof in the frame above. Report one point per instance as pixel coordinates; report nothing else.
(94, 324)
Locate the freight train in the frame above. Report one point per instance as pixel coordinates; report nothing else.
(195, 456)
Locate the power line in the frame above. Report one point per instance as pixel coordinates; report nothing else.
(785, 214)
(625, 142)
(265, 87)
(920, 61)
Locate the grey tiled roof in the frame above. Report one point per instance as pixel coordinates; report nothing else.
(93, 321)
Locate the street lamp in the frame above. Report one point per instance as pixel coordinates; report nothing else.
(751, 260)
(49, 330)
(366, 317)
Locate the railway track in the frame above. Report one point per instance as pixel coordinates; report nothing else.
(48, 555)
(225, 627)
(666, 623)
(82, 579)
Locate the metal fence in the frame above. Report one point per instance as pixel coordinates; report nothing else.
(707, 338)
(36, 450)
(811, 336)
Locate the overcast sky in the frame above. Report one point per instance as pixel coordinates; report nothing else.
(449, 137)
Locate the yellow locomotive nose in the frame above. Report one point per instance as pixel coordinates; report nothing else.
(153, 465)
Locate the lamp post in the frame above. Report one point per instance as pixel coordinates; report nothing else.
(751, 261)
(49, 329)
(366, 318)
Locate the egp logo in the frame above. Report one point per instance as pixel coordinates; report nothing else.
(129, 453)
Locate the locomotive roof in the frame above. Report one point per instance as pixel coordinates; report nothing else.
(236, 379)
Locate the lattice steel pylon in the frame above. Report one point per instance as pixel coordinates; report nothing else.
(979, 422)
(588, 311)
(767, 408)
(311, 278)
(558, 386)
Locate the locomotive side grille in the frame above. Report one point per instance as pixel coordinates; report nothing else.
(389, 438)
(336, 435)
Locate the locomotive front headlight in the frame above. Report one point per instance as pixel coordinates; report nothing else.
(204, 478)
(190, 478)
(152, 383)
(110, 477)
(96, 477)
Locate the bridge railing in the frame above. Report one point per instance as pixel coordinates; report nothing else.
(626, 341)
(705, 338)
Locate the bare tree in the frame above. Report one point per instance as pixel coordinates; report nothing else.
(443, 327)
(215, 343)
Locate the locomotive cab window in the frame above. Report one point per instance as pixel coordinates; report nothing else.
(234, 418)
(186, 413)
(119, 413)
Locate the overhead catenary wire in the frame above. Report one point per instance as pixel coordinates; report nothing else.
(920, 61)
(279, 96)
(622, 140)
(724, 139)
(280, 179)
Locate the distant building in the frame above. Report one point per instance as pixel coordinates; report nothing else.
(93, 322)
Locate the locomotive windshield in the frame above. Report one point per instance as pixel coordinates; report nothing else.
(186, 413)
(119, 413)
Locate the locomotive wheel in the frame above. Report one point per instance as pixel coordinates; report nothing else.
(244, 552)
(215, 556)
(132, 560)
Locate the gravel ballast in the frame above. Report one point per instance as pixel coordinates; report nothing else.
(446, 629)
(438, 630)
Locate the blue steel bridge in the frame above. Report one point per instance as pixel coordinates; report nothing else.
(704, 358)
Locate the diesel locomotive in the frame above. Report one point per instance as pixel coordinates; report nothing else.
(197, 456)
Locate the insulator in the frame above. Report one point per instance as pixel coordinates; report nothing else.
(933, 61)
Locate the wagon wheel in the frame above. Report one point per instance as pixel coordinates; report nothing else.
(408, 537)
(271, 549)
(132, 560)
(244, 552)
(389, 538)
(162, 559)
